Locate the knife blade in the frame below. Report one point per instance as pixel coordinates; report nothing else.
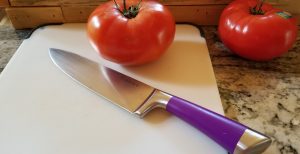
(139, 98)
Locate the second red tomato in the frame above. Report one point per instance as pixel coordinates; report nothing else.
(257, 35)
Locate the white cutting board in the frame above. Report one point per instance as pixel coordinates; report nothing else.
(43, 111)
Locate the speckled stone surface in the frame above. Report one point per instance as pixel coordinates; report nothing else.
(10, 40)
(261, 95)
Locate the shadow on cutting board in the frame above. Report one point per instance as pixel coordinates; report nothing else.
(157, 116)
(185, 63)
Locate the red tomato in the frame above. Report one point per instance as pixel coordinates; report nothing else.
(129, 39)
(257, 37)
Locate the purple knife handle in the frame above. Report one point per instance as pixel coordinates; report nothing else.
(222, 130)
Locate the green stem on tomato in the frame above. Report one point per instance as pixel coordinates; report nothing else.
(138, 5)
(124, 4)
(131, 12)
(260, 5)
(117, 5)
(257, 9)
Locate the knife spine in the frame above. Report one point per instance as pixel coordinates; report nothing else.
(156, 99)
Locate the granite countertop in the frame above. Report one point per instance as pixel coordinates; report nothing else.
(261, 95)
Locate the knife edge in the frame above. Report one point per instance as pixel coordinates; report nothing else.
(115, 87)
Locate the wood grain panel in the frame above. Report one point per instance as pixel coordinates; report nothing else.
(35, 2)
(292, 6)
(2, 14)
(201, 14)
(166, 2)
(77, 13)
(82, 2)
(4, 3)
(31, 17)
(194, 2)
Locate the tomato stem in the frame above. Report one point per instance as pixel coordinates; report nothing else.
(138, 5)
(117, 5)
(257, 9)
(124, 4)
(131, 12)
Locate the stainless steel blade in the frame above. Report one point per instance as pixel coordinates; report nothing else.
(120, 89)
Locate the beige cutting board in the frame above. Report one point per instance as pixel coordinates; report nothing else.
(43, 111)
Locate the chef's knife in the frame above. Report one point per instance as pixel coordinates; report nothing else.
(139, 98)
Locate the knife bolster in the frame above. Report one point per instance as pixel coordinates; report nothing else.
(252, 142)
(157, 99)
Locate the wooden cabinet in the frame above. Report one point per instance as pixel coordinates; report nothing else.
(32, 13)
